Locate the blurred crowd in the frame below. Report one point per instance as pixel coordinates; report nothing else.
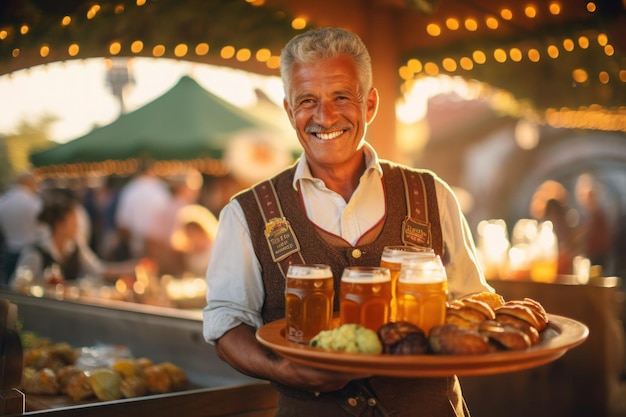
(104, 227)
(584, 228)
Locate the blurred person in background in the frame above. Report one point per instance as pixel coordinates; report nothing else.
(101, 203)
(61, 255)
(193, 237)
(140, 202)
(19, 208)
(596, 238)
(557, 213)
(185, 191)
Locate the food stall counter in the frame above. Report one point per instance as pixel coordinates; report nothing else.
(158, 333)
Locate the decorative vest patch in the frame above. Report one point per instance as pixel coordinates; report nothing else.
(281, 238)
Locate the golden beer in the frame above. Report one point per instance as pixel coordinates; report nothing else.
(392, 258)
(309, 293)
(422, 293)
(365, 296)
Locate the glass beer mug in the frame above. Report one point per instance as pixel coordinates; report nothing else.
(392, 258)
(309, 293)
(365, 296)
(422, 292)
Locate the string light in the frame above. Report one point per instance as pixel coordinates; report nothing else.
(554, 8)
(136, 47)
(263, 54)
(298, 23)
(471, 24)
(243, 55)
(452, 23)
(158, 51)
(202, 49)
(180, 50)
(433, 29)
(506, 14)
(492, 23)
(115, 48)
(530, 11)
(227, 52)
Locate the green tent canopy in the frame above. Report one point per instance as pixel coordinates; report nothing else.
(187, 122)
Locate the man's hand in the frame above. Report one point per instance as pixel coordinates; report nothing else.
(239, 348)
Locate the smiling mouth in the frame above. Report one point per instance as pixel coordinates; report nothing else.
(329, 135)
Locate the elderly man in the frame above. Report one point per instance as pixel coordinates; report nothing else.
(341, 205)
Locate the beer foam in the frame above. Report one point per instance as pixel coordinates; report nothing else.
(399, 255)
(309, 272)
(364, 276)
(430, 271)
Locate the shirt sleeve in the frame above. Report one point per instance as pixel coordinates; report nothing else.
(235, 287)
(464, 273)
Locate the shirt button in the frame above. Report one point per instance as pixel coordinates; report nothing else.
(356, 253)
(371, 402)
(352, 401)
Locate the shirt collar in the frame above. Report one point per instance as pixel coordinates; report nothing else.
(303, 172)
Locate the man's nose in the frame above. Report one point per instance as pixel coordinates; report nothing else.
(326, 113)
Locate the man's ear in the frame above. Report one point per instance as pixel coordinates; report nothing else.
(372, 105)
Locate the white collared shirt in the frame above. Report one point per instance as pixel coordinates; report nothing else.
(234, 278)
(329, 211)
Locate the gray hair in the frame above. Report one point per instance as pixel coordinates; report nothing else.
(325, 43)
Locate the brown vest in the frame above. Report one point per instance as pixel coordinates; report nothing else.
(314, 243)
(424, 397)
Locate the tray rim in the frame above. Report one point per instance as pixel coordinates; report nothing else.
(569, 333)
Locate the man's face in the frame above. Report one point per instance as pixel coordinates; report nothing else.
(329, 110)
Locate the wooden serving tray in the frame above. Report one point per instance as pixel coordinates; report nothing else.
(561, 335)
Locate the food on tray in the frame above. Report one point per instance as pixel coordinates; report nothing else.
(39, 381)
(468, 313)
(494, 300)
(454, 340)
(402, 338)
(57, 368)
(535, 308)
(503, 325)
(164, 377)
(475, 324)
(105, 383)
(134, 386)
(78, 387)
(46, 354)
(503, 336)
(352, 338)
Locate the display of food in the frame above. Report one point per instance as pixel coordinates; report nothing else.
(476, 324)
(56, 368)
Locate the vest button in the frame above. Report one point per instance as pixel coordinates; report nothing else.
(352, 401)
(356, 253)
(371, 402)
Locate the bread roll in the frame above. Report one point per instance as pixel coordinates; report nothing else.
(493, 299)
(536, 308)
